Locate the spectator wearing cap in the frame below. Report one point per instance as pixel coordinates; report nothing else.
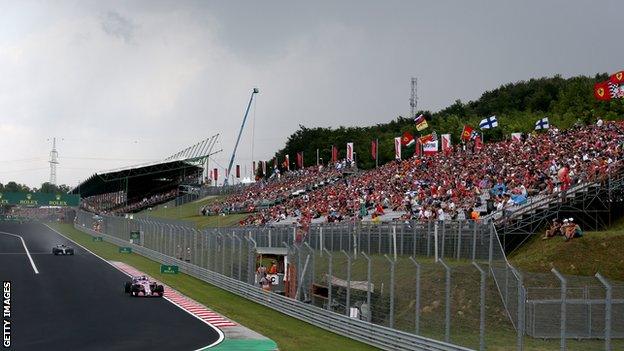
(572, 230)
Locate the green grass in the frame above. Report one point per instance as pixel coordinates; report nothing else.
(190, 212)
(288, 332)
(594, 252)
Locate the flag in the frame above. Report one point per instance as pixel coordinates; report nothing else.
(430, 148)
(616, 90)
(407, 139)
(286, 163)
(617, 78)
(300, 159)
(542, 124)
(602, 91)
(421, 123)
(275, 162)
(264, 168)
(428, 138)
(254, 168)
(215, 174)
(478, 143)
(350, 152)
(374, 149)
(517, 136)
(334, 157)
(237, 171)
(397, 148)
(418, 150)
(446, 143)
(467, 133)
(489, 122)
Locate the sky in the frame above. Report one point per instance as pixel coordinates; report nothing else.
(126, 82)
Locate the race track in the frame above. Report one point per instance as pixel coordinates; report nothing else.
(77, 302)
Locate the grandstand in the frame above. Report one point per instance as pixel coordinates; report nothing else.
(134, 188)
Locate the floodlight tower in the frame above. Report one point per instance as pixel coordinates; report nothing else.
(53, 162)
(414, 98)
(240, 132)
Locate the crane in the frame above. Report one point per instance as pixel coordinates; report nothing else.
(229, 169)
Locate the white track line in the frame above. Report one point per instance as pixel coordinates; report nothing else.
(32, 263)
(221, 335)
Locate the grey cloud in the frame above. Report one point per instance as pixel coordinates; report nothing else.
(118, 26)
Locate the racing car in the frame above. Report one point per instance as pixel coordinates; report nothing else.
(141, 285)
(62, 249)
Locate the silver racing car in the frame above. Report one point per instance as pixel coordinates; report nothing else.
(141, 285)
(62, 249)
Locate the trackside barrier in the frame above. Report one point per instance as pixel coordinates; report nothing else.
(379, 336)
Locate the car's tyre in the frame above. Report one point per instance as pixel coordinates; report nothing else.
(71, 252)
(54, 252)
(128, 288)
(160, 294)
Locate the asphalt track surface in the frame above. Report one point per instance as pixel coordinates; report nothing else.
(78, 303)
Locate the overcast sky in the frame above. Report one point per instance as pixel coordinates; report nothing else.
(124, 82)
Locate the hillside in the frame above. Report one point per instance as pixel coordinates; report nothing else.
(594, 252)
(190, 212)
(517, 105)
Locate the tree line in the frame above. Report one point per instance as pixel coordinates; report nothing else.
(517, 106)
(48, 188)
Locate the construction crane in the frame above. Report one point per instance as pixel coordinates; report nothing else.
(229, 169)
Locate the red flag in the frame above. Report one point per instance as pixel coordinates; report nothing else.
(478, 143)
(418, 150)
(426, 138)
(215, 174)
(602, 91)
(374, 149)
(254, 167)
(334, 154)
(407, 139)
(467, 133)
(300, 159)
(286, 162)
(617, 78)
(237, 171)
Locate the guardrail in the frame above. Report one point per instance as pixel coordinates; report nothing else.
(379, 336)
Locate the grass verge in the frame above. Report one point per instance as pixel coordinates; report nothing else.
(190, 212)
(289, 333)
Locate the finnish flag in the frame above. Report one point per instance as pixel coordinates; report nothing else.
(488, 123)
(542, 123)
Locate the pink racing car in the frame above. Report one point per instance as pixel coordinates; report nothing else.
(141, 285)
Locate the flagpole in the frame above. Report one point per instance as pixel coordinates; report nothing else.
(376, 153)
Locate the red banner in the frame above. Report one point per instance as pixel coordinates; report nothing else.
(300, 159)
(237, 171)
(617, 78)
(215, 174)
(601, 91)
(374, 149)
(467, 133)
(334, 154)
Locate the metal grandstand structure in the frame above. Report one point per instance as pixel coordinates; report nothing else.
(592, 205)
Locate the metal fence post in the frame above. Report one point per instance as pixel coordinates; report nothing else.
(447, 314)
(521, 308)
(417, 307)
(329, 279)
(608, 302)
(564, 287)
(240, 257)
(368, 286)
(474, 240)
(348, 303)
(481, 307)
(491, 249)
(392, 270)
(313, 269)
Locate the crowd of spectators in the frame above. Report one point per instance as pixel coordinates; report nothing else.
(276, 189)
(96, 205)
(454, 185)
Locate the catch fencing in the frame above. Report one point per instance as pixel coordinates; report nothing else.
(448, 281)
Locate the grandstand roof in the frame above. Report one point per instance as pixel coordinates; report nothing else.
(138, 179)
